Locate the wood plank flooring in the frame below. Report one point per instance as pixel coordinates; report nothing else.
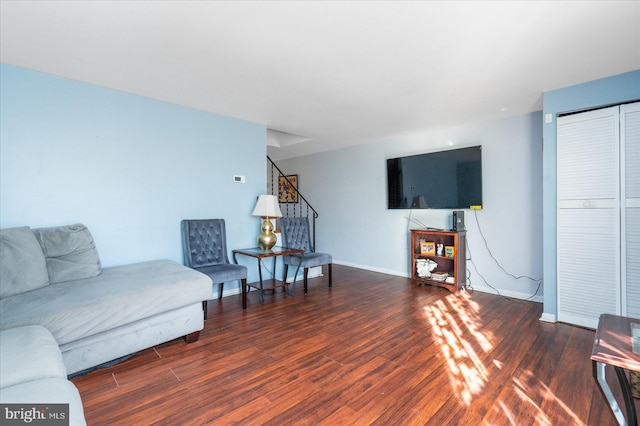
(374, 350)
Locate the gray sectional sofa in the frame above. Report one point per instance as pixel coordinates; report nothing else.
(33, 375)
(52, 277)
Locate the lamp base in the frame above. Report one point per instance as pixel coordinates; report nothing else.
(267, 239)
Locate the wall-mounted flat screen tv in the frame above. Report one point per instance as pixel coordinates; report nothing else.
(439, 180)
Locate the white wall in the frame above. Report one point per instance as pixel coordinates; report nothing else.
(130, 168)
(348, 188)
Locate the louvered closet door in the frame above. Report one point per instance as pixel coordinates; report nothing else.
(588, 216)
(630, 137)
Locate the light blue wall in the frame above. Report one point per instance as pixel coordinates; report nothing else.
(128, 167)
(348, 188)
(607, 91)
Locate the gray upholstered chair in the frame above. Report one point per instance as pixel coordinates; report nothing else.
(204, 246)
(295, 234)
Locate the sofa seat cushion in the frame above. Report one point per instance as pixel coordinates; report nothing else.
(29, 353)
(120, 295)
(47, 391)
(22, 263)
(309, 260)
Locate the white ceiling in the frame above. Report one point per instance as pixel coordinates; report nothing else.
(332, 73)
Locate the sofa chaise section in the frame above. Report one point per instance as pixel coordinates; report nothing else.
(121, 311)
(96, 314)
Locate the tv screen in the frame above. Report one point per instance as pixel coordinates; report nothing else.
(438, 180)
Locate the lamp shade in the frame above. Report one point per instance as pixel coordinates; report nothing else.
(419, 202)
(267, 206)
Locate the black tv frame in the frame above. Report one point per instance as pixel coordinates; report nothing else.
(447, 179)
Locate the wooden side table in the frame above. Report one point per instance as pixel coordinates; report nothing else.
(614, 346)
(260, 254)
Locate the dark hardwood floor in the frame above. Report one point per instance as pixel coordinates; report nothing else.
(373, 350)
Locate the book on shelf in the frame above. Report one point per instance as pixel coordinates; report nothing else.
(439, 276)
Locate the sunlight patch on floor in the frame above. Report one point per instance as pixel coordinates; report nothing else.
(456, 328)
(524, 399)
(454, 324)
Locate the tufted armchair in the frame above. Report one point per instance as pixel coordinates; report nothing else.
(295, 234)
(204, 246)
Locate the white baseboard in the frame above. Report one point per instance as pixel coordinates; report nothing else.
(232, 288)
(235, 289)
(373, 269)
(546, 317)
(508, 293)
(484, 289)
(317, 272)
(314, 272)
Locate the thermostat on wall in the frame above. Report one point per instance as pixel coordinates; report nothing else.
(238, 178)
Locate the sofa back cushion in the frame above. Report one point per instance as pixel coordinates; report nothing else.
(22, 264)
(70, 252)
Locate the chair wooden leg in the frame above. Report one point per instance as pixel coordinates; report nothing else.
(204, 308)
(244, 290)
(286, 270)
(306, 274)
(220, 288)
(330, 281)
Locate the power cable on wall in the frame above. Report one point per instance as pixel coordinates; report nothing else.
(467, 284)
(470, 258)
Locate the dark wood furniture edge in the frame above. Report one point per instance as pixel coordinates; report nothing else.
(192, 337)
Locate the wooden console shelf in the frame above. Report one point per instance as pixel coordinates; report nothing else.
(454, 265)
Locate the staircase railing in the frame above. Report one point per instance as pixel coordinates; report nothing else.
(301, 208)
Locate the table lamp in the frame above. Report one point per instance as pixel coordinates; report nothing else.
(267, 207)
(419, 202)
